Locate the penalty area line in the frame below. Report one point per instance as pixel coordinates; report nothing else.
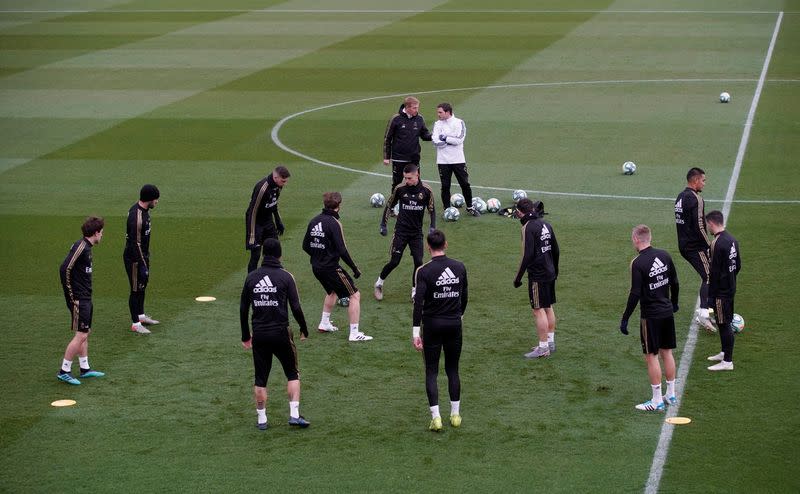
(664, 439)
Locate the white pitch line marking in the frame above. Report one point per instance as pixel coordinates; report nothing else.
(664, 439)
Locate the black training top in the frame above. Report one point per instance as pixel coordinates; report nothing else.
(441, 290)
(654, 282)
(263, 208)
(324, 241)
(76, 271)
(401, 139)
(690, 221)
(725, 265)
(137, 236)
(268, 290)
(413, 200)
(539, 250)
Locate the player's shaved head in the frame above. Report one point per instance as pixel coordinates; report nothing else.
(642, 234)
(693, 173)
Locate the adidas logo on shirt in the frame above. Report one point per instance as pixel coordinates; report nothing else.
(316, 231)
(679, 206)
(732, 255)
(447, 278)
(265, 286)
(545, 233)
(657, 268)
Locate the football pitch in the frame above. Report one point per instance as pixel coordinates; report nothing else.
(204, 98)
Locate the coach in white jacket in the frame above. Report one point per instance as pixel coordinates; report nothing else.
(448, 135)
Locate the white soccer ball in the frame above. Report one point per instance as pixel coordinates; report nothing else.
(344, 301)
(724, 97)
(737, 324)
(457, 200)
(493, 205)
(377, 200)
(518, 194)
(451, 214)
(629, 168)
(479, 204)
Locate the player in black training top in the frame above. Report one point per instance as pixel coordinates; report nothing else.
(137, 256)
(262, 220)
(401, 139)
(439, 304)
(76, 280)
(324, 242)
(726, 263)
(654, 285)
(540, 256)
(693, 241)
(268, 291)
(414, 197)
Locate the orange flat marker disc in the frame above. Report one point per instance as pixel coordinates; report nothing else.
(63, 403)
(679, 420)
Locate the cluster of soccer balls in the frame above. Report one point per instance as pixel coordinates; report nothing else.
(491, 205)
(457, 201)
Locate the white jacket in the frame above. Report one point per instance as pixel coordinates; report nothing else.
(452, 150)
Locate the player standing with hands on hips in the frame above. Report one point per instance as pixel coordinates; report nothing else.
(137, 256)
(654, 284)
(76, 280)
(324, 242)
(439, 305)
(414, 198)
(540, 256)
(262, 220)
(268, 290)
(449, 133)
(725, 266)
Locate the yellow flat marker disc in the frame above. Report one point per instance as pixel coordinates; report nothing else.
(678, 420)
(63, 403)
(205, 298)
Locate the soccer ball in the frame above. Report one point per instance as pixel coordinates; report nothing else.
(344, 301)
(737, 324)
(629, 168)
(451, 214)
(377, 200)
(724, 97)
(479, 204)
(493, 205)
(518, 194)
(457, 200)
(396, 209)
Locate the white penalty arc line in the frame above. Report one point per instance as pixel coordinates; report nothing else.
(277, 127)
(662, 449)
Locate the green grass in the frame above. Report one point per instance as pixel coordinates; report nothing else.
(92, 105)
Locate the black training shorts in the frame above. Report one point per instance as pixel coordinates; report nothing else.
(657, 334)
(81, 312)
(541, 293)
(279, 344)
(336, 281)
